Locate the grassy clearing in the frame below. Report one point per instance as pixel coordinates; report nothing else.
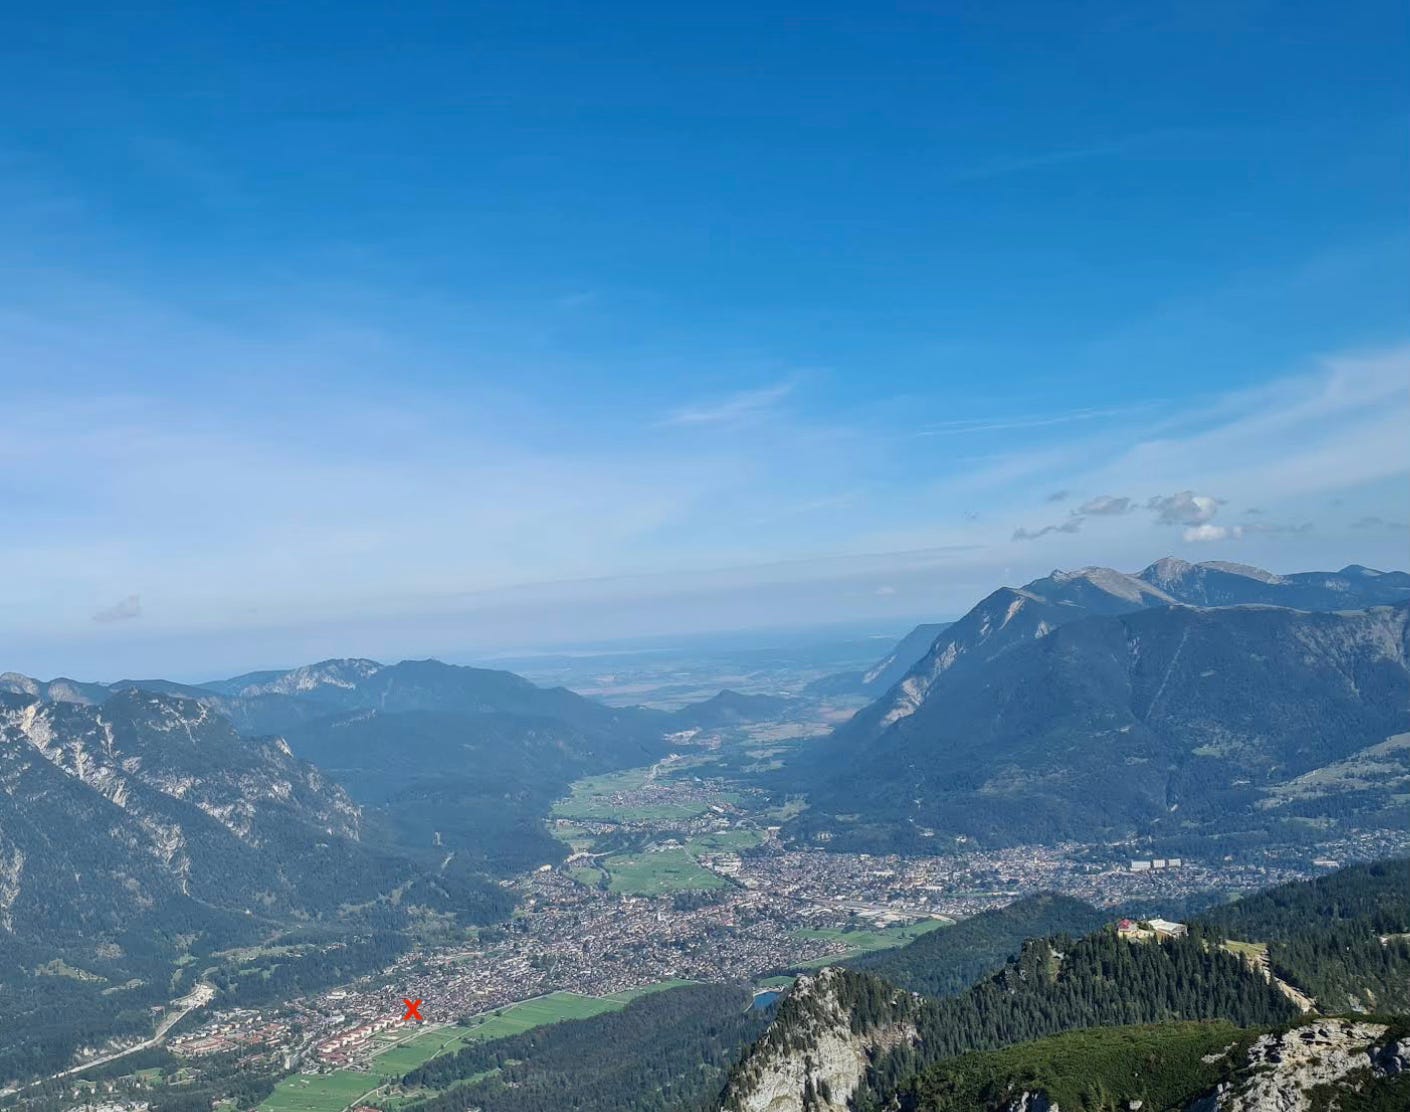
(725, 840)
(1254, 953)
(415, 1052)
(330, 1092)
(590, 875)
(335, 1091)
(512, 1020)
(535, 1013)
(865, 941)
(577, 838)
(609, 799)
(60, 968)
(626, 996)
(608, 809)
(788, 810)
(672, 869)
(667, 870)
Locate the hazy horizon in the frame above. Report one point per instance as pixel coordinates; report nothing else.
(410, 332)
(534, 626)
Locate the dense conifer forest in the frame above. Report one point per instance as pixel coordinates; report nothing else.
(946, 962)
(665, 1051)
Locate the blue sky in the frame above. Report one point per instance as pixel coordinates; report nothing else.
(411, 329)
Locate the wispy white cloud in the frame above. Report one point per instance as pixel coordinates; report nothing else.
(332, 500)
(1201, 533)
(1184, 508)
(741, 406)
(994, 424)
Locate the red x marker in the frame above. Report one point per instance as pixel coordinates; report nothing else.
(413, 1010)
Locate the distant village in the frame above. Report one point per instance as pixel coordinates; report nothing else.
(576, 937)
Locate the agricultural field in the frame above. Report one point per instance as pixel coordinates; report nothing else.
(336, 1091)
(665, 792)
(590, 875)
(329, 1092)
(725, 840)
(626, 996)
(658, 872)
(864, 941)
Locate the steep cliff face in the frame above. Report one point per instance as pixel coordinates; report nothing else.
(1308, 1067)
(817, 1050)
(182, 750)
(147, 801)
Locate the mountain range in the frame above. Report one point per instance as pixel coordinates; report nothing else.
(443, 757)
(149, 827)
(1098, 704)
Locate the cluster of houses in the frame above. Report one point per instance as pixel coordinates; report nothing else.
(338, 1049)
(239, 1027)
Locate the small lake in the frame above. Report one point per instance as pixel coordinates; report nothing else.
(764, 1000)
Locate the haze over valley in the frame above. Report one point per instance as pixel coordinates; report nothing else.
(281, 856)
(822, 557)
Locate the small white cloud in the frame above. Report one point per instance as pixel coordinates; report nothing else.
(1184, 508)
(124, 610)
(1213, 532)
(1105, 505)
(1058, 495)
(886, 590)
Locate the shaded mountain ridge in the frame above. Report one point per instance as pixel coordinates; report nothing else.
(1095, 703)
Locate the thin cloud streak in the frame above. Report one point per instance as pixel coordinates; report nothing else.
(735, 408)
(1031, 421)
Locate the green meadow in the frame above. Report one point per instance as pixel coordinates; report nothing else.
(338, 1090)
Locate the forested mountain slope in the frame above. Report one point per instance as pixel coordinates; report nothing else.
(1014, 616)
(143, 834)
(1192, 1067)
(1174, 720)
(443, 758)
(664, 1052)
(946, 962)
(1109, 988)
(1053, 985)
(1344, 938)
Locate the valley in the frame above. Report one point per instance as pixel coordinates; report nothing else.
(516, 856)
(676, 875)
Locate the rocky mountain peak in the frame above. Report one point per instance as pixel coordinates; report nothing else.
(1297, 1070)
(816, 1052)
(1167, 570)
(344, 673)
